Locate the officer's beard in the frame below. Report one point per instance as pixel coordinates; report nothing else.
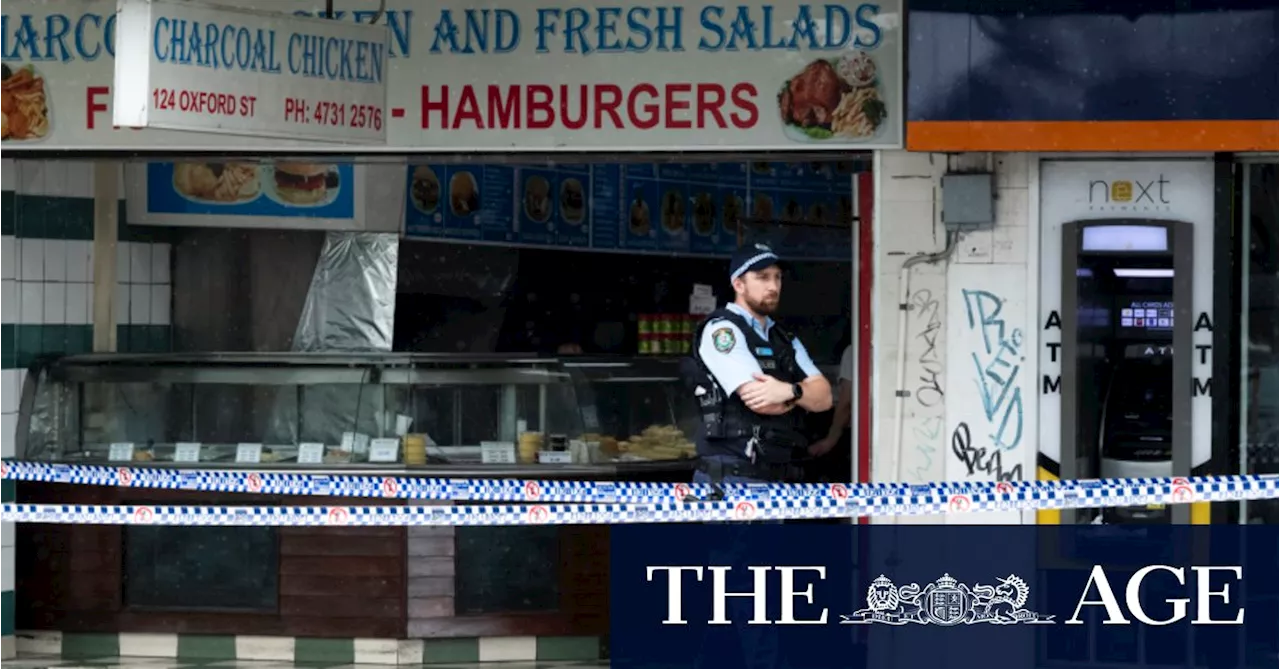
(763, 306)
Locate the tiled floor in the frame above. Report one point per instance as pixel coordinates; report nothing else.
(40, 662)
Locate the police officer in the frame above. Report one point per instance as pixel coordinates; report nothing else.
(752, 379)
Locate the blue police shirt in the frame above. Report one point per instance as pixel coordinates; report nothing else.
(730, 360)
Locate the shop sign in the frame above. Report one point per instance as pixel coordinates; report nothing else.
(512, 76)
(207, 68)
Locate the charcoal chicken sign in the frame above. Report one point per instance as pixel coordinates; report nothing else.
(506, 75)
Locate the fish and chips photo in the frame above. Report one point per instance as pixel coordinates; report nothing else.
(222, 183)
(425, 189)
(24, 103)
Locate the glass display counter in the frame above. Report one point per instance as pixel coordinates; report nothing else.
(469, 415)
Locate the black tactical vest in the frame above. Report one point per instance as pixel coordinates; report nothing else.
(727, 424)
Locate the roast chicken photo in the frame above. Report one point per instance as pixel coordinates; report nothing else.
(811, 97)
(833, 99)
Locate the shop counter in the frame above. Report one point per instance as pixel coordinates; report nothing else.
(528, 418)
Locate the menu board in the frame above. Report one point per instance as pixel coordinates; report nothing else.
(805, 210)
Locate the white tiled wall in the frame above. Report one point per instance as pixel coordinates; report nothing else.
(55, 276)
(49, 282)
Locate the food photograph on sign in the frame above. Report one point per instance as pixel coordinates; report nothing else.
(833, 99)
(25, 104)
(251, 188)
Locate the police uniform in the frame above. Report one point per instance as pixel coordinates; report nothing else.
(734, 443)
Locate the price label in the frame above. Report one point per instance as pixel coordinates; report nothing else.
(121, 452)
(497, 452)
(186, 451)
(555, 457)
(249, 453)
(310, 453)
(355, 442)
(384, 450)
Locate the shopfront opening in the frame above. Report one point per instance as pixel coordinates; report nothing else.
(537, 300)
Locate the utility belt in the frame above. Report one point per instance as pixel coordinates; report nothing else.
(718, 470)
(761, 445)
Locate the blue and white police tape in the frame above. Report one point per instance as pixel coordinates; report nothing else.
(926, 503)
(521, 490)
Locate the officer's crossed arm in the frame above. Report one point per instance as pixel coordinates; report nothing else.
(816, 396)
(724, 351)
(817, 389)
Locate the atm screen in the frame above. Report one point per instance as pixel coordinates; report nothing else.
(1142, 315)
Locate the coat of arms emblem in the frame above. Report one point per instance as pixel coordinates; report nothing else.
(947, 602)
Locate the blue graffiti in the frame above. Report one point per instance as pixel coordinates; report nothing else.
(997, 367)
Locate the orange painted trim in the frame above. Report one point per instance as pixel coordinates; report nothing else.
(1166, 136)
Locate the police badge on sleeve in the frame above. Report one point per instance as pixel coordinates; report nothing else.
(723, 339)
(947, 602)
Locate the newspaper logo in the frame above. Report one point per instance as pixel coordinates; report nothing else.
(947, 602)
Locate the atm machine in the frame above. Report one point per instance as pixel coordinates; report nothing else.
(1126, 339)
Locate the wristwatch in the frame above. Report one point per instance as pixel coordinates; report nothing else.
(797, 391)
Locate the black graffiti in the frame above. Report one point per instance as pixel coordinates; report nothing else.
(930, 393)
(980, 460)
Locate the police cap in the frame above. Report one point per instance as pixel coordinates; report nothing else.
(752, 258)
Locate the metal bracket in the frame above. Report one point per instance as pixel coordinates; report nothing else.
(382, 9)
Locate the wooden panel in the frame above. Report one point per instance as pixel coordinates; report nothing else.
(314, 545)
(322, 606)
(347, 566)
(353, 586)
(334, 582)
(430, 607)
(431, 567)
(430, 586)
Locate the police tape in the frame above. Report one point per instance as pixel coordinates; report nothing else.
(927, 503)
(527, 490)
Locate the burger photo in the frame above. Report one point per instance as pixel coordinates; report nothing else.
(305, 183)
